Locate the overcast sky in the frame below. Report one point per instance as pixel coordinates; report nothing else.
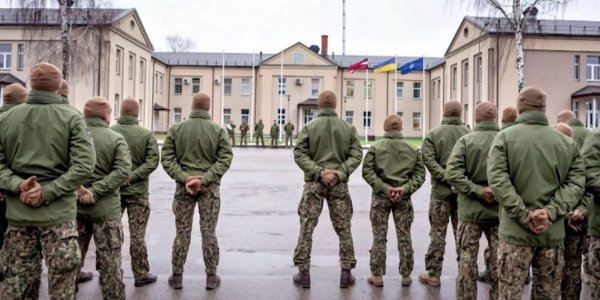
(375, 27)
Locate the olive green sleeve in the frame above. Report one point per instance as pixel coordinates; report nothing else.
(119, 173)
(169, 159)
(9, 181)
(591, 156)
(354, 158)
(585, 202)
(302, 157)
(150, 163)
(571, 189)
(499, 179)
(456, 172)
(430, 159)
(224, 157)
(417, 178)
(369, 173)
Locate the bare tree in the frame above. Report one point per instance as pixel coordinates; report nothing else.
(516, 13)
(178, 43)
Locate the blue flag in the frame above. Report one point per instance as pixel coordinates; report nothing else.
(415, 65)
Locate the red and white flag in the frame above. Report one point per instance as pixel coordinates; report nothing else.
(360, 65)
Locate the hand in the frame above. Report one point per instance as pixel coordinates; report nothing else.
(573, 224)
(488, 195)
(577, 216)
(193, 185)
(85, 196)
(539, 221)
(328, 178)
(453, 190)
(126, 183)
(398, 193)
(34, 197)
(27, 184)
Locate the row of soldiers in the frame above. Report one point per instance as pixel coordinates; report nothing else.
(258, 132)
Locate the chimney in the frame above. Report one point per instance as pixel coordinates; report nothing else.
(324, 45)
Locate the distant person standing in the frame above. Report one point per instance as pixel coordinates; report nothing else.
(258, 131)
(231, 131)
(274, 134)
(509, 116)
(244, 134)
(289, 133)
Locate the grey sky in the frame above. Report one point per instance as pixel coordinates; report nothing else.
(375, 27)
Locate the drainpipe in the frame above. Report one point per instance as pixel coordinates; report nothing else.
(152, 86)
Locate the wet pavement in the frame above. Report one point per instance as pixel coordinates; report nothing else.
(257, 231)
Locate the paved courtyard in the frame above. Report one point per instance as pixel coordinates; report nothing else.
(257, 230)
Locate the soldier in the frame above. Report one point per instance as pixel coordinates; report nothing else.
(231, 132)
(477, 207)
(244, 131)
(64, 91)
(436, 149)
(274, 134)
(14, 94)
(134, 193)
(591, 155)
(509, 116)
(289, 132)
(196, 153)
(258, 131)
(49, 145)
(536, 174)
(328, 151)
(393, 178)
(99, 207)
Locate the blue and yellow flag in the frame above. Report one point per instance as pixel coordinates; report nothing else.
(385, 66)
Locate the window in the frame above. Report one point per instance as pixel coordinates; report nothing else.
(142, 70)
(438, 91)
(5, 56)
(350, 117)
(309, 115)
(314, 87)
(281, 85)
(477, 79)
(399, 89)
(130, 67)
(141, 111)
(433, 89)
(20, 57)
(416, 120)
(367, 119)
(592, 70)
(227, 86)
(195, 85)
(161, 84)
(156, 83)
(298, 58)
(117, 105)
(245, 115)
(245, 87)
(400, 114)
(453, 81)
(576, 68)
(176, 115)
(118, 62)
(281, 116)
(368, 88)
(465, 70)
(416, 90)
(178, 86)
(226, 115)
(350, 89)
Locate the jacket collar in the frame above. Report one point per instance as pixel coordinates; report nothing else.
(532, 117)
(43, 97)
(575, 123)
(487, 126)
(507, 124)
(95, 122)
(128, 120)
(199, 113)
(7, 106)
(451, 121)
(327, 112)
(394, 135)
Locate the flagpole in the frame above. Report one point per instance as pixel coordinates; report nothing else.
(367, 103)
(252, 103)
(280, 96)
(396, 84)
(424, 99)
(223, 91)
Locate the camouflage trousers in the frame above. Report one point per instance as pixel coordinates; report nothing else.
(25, 246)
(108, 238)
(244, 139)
(289, 138)
(403, 215)
(138, 213)
(232, 138)
(3, 227)
(467, 239)
(441, 211)
(262, 140)
(274, 141)
(209, 204)
(586, 261)
(340, 213)
(513, 266)
(571, 279)
(594, 265)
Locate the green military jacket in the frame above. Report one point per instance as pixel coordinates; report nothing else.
(532, 166)
(580, 133)
(230, 128)
(289, 128)
(327, 142)
(144, 155)
(591, 156)
(507, 125)
(436, 149)
(113, 168)
(274, 130)
(244, 129)
(258, 128)
(392, 162)
(7, 106)
(197, 146)
(466, 172)
(45, 138)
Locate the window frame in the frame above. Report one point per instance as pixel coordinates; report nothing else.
(349, 114)
(177, 111)
(594, 75)
(298, 58)
(400, 88)
(196, 84)
(367, 119)
(420, 89)
(6, 57)
(227, 86)
(177, 84)
(118, 54)
(314, 92)
(419, 117)
(368, 92)
(577, 68)
(281, 85)
(245, 87)
(350, 87)
(20, 57)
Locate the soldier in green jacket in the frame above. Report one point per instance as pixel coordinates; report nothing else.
(244, 134)
(537, 175)
(99, 207)
(327, 151)
(274, 134)
(289, 133)
(436, 149)
(509, 116)
(231, 132)
(394, 169)
(591, 156)
(46, 153)
(258, 131)
(580, 133)
(477, 207)
(134, 193)
(196, 153)
(14, 94)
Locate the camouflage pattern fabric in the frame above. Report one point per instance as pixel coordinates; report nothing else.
(403, 215)
(288, 137)
(594, 265)
(513, 265)
(571, 279)
(262, 140)
(138, 213)
(3, 227)
(274, 141)
(108, 237)
(244, 138)
(468, 236)
(440, 213)
(209, 203)
(340, 212)
(586, 247)
(24, 248)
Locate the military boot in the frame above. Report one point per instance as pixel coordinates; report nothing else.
(146, 279)
(375, 280)
(302, 279)
(212, 281)
(84, 276)
(176, 281)
(427, 278)
(406, 280)
(484, 276)
(346, 278)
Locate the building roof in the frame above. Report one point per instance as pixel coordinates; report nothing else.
(590, 90)
(539, 26)
(50, 16)
(310, 102)
(7, 78)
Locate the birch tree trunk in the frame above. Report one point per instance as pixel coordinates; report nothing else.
(65, 37)
(519, 24)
